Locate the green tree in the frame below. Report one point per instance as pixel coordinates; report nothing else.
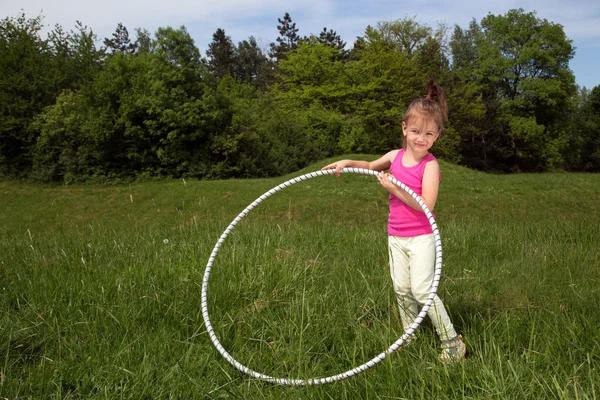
(147, 113)
(524, 60)
(288, 39)
(467, 122)
(359, 44)
(405, 35)
(310, 89)
(353, 105)
(34, 72)
(584, 143)
(87, 58)
(310, 73)
(181, 110)
(221, 55)
(516, 65)
(463, 46)
(432, 55)
(120, 41)
(65, 150)
(27, 85)
(331, 38)
(99, 131)
(252, 65)
(243, 147)
(467, 110)
(143, 41)
(385, 78)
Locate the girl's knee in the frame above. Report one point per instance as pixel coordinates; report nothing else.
(403, 291)
(421, 296)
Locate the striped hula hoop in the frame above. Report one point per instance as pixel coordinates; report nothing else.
(369, 364)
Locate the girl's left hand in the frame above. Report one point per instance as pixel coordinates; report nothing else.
(384, 180)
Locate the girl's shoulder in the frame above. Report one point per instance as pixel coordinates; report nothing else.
(393, 154)
(429, 157)
(384, 162)
(430, 162)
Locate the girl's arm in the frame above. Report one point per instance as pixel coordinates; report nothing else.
(380, 164)
(431, 184)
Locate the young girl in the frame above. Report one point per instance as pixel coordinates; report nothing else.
(410, 238)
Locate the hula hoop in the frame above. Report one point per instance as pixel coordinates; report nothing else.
(369, 364)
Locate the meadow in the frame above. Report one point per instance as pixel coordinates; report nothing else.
(100, 289)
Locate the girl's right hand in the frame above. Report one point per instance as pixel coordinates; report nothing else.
(338, 166)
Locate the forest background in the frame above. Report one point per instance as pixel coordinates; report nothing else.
(153, 106)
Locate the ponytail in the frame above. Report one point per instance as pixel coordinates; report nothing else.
(433, 105)
(434, 90)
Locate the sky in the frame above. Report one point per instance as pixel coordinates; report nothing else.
(241, 19)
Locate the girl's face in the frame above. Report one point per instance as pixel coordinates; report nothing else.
(420, 134)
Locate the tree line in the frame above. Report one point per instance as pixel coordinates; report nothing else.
(153, 106)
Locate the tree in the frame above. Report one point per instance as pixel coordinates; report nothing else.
(86, 57)
(432, 55)
(244, 147)
(370, 91)
(390, 78)
(98, 131)
(469, 115)
(143, 41)
(331, 38)
(120, 41)
(516, 66)
(221, 54)
(252, 66)
(65, 150)
(182, 114)
(309, 74)
(26, 86)
(148, 113)
(358, 45)
(176, 47)
(463, 46)
(404, 35)
(288, 39)
(422, 48)
(584, 148)
(524, 60)
(591, 139)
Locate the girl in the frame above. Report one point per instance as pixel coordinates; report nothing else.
(410, 238)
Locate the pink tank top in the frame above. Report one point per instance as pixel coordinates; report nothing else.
(403, 220)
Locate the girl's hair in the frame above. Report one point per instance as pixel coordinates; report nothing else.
(433, 105)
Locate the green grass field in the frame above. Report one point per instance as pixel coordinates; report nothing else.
(100, 289)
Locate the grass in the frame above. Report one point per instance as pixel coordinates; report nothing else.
(100, 289)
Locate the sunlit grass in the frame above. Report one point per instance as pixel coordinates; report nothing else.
(100, 289)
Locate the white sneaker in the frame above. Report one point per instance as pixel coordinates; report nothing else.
(453, 350)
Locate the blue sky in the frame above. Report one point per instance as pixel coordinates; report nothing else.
(349, 18)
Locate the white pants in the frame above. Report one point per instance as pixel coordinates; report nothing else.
(412, 266)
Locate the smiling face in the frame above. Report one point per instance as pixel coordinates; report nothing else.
(420, 134)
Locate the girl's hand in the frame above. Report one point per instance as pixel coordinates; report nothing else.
(338, 166)
(384, 180)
